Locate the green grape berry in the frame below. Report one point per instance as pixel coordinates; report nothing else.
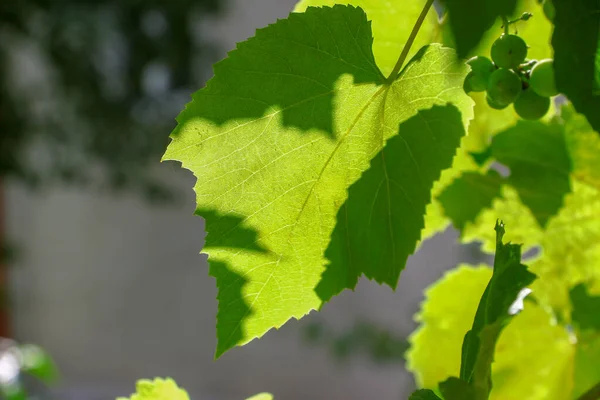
(530, 105)
(508, 51)
(504, 86)
(481, 70)
(481, 65)
(492, 103)
(475, 83)
(467, 83)
(541, 78)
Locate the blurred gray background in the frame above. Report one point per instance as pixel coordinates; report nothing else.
(112, 284)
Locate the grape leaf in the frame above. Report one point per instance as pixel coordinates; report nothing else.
(586, 308)
(575, 41)
(391, 23)
(380, 223)
(541, 177)
(158, 389)
(468, 195)
(470, 19)
(286, 126)
(533, 358)
(495, 310)
(424, 394)
(583, 145)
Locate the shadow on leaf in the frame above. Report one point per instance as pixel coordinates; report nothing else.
(380, 223)
(234, 308)
(290, 67)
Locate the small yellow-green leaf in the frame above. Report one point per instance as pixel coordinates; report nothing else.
(261, 396)
(157, 389)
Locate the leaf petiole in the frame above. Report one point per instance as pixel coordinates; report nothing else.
(409, 42)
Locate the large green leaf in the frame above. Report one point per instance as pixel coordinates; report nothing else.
(576, 42)
(391, 22)
(290, 121)
(157, 389)
(533, 358)
(541, 177)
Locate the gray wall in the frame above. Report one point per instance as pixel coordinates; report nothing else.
(116, 290)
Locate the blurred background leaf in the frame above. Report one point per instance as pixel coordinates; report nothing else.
(88, 89)
(365, 338)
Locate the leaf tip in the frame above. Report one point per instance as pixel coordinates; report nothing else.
(499, 228)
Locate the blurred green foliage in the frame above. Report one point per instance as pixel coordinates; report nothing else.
(89, 88)
(378, 344)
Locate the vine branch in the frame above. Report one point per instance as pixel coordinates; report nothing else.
(409, 42)
(592, 394)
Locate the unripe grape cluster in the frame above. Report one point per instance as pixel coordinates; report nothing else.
(510, 78)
